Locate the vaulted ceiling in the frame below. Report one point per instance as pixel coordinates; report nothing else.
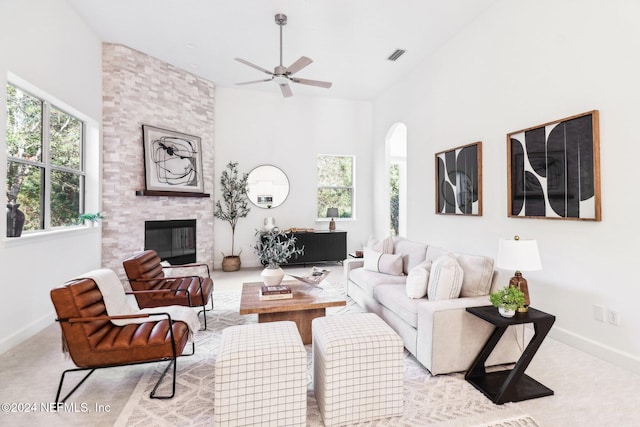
(349, 41)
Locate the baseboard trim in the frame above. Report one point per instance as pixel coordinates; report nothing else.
(610, 354)
(27, 332)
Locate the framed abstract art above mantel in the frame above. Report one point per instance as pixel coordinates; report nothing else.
(554, 170)
(172, 161)
(459, 180)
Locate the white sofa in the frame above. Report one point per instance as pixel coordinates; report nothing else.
(441, 334)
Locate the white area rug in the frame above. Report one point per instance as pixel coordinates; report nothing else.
(444, 400)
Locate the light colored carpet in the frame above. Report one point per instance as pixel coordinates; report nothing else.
(446, 400)
(523, 421)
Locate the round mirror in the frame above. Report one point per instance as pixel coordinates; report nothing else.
(267, 186)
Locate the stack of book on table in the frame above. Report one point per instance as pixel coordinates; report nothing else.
(275, 292)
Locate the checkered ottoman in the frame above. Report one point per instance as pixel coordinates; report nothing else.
(357, 368)
(261, 376)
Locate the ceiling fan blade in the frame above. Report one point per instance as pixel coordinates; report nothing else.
(302, 62)
(286, 90)
(311, 82)
(254, 81)
(254, 66)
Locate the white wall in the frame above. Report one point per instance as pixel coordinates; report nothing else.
(255, 128)
(31, 36)
(522, 64)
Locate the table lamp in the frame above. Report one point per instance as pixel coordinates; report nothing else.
(519, 255)
(332, 213)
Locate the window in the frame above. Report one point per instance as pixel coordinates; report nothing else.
(45, 171)
(336, 185)
(394, 198)
(396, 146)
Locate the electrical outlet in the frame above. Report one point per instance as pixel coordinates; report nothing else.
(613, 317)
(598, 312)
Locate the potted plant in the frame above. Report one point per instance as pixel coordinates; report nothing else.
(234, 206)
(508, 300)
(274, 248)
(91, 217)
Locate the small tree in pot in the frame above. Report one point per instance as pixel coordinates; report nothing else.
(234, 206)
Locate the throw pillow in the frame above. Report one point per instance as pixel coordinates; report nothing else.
(478, 272)
(383, 246)
(418, 280)
(382, 263)
(445, 280)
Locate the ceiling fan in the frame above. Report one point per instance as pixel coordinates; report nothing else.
(281, 74)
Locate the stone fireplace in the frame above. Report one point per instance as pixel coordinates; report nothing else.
(139, 89)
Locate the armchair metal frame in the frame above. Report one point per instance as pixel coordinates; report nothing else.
(204, 309)
(200, 278)
(172, 360)
(191, 265)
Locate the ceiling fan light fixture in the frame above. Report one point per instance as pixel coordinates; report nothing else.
(280, 80)
(283, 75)
(397, 54)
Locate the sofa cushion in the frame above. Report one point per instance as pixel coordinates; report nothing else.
(384, 246)
(368, 280)
(418, 280)
(435, 252)
(478, 271)
(383, 263)
(445, 279)
(395, 299)
(413, 253)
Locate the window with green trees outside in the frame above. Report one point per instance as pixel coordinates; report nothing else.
(45, 171)
(394, 199)
(336, 176)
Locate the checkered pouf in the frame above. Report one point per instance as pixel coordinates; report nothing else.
(261, 376)
(357, 368)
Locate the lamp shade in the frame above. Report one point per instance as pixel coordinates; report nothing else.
(518, 254)
(332, 212)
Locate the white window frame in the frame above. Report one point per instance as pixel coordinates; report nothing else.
(352, 187)
(400, 158)
(48, 102)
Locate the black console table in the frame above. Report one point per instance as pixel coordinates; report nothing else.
(511, 385)
(320, 246)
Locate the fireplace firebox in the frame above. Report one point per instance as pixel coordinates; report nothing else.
(174, 240)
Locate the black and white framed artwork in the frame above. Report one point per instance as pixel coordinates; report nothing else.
(459, 180)
(554, 170)
(172, 160)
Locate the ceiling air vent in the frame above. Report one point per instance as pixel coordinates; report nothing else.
(397, 54)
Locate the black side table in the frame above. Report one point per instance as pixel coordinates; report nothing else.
(511, 385)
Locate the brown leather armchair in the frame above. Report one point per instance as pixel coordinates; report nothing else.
(94, 342)
(145, 272)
